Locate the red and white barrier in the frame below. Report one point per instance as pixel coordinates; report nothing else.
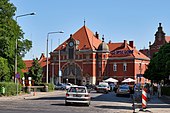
(144, 98)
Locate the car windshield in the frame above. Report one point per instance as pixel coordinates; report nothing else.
(77, 89)
(102, 85)
(59, 84)
(123, 87)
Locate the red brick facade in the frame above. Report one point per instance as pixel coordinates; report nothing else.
(85, 59)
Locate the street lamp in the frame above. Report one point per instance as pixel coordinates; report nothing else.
(59, 62)
(47, 52)
(28, 14)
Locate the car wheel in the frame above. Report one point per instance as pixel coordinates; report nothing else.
(106, 92)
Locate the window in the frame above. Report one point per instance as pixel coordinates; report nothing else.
(54, 58)
(87, 56)
(100, 73)
(71, 53)
(114, 67)
(100, 64)
(124, 66)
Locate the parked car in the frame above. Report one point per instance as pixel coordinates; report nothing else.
(103, 88)
(77, 94)
(60, 86)
(123, 90)
(68, 85)
(90, 87)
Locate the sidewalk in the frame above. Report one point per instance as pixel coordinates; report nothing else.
(32, 95)
(165, 99)
(156, 105)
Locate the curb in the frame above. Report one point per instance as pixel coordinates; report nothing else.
(32, 95)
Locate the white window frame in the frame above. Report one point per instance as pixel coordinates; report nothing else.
(114, 67)
(124, 66)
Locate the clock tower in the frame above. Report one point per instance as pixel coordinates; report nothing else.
(159, 41)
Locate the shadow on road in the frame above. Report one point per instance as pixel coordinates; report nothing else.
(158, 106)
(58, 104)
(75, 105)
(111, 97)
(48, 98)
(114, 107)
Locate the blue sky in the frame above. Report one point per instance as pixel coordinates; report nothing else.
(117, 20)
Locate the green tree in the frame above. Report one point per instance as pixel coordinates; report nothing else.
(159, 66)
(36, 72)
(4, 70)
(9, 32)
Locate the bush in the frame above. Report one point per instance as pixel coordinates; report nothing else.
(166, 91)
(50, 87)
(10, 88)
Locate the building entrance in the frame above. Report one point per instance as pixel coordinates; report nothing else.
(72, 74)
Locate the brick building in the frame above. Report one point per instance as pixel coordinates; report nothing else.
(85, 58)
(42, 61)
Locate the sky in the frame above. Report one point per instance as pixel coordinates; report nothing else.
(117, 20)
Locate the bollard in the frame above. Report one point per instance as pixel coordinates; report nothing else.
(34, 93)
(144, 98)
(29, 78)
(133, 103)
(46, 88)
(29, 89)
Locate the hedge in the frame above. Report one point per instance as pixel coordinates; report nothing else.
(50, 87)
(10, 88)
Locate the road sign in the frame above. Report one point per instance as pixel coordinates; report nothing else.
(17, 75)
(60, 73)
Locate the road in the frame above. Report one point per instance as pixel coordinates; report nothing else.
(54, 103)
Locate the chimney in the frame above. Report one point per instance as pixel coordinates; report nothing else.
(125, 43)
(131, 44)
(110, 41)
(97, 35)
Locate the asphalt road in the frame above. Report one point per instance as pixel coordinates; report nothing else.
(54, 103)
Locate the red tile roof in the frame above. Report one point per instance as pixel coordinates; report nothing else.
(28, 64)
(120, 47)
(42, 61)
(86, 38)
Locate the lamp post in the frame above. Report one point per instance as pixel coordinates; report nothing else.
(47, 52)
(17, 41)
(59, 62)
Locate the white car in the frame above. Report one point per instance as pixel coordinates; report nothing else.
(68, 85)
(103, 87)
(77, 94)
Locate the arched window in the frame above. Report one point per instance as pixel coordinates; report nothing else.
(114, 67)
(124, 66)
